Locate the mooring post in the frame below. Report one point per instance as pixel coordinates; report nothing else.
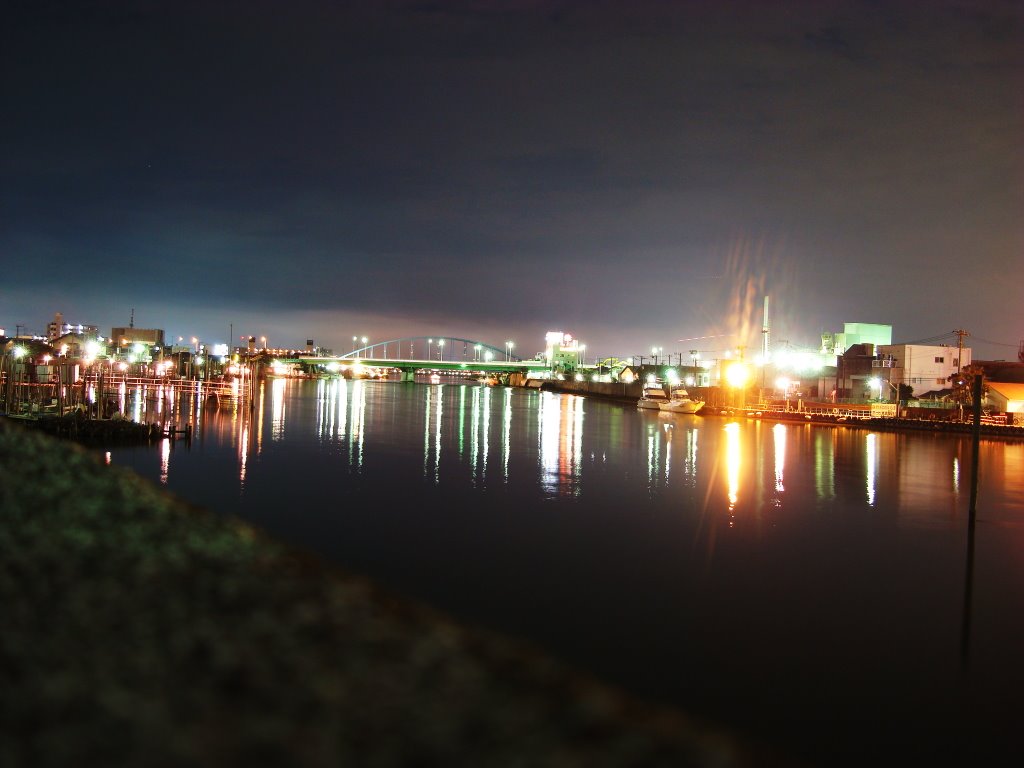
(965, 629)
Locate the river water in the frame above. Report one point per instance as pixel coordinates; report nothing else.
(803, 585)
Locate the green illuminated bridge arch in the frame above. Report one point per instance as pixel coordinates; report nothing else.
(435, 353)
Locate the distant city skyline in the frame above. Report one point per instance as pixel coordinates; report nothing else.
(635, 174)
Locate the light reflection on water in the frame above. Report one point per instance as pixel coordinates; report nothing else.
(485, 428)
(779, 436)
(733, 460)
(871, 461)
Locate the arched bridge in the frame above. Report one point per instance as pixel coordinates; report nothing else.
(436, 353)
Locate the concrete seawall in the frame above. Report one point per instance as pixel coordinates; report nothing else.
(141, 631)
(605, 390)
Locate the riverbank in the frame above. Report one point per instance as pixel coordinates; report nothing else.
(142, 631)
(622, 393)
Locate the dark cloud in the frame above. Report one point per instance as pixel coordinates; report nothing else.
(573, 163)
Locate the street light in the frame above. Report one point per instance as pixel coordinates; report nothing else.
(877, 384)
(354, 339)
(488, 355)
(440, 349)
(477, 355)
(429, 342)
(737, 374)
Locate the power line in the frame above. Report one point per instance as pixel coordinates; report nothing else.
(997, 343)
(931, 339)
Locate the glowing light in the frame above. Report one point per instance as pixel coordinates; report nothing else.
(138, 349)
(488, 356)
(737, 375)
(19, 352)
(122, 366)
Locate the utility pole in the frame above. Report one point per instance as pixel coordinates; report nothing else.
(960, 333)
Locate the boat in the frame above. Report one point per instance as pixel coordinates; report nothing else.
(680, 402)
(653, 396)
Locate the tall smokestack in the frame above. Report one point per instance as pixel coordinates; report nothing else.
(766, 333)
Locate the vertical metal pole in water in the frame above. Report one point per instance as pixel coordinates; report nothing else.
(965, 629)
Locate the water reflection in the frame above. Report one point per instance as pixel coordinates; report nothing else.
(653, 456)
(560, 438)
(871, 460)
(432, 448)
(165, 459)
(506, 432)
(277, 408)
(733, 460)
(824, 463)
(476, 434)
(480, 424)
(779, 439)
(691, 453)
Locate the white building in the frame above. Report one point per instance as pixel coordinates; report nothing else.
(57, 328)
(923, 368)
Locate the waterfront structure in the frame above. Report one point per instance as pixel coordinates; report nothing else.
(562, 351)
(923, 368)
(1006, 397)
(857, 368)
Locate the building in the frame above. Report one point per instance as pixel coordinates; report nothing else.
(151, 337)
(1006, 397)
(1002, 370)
(923, 368)
(57, 328)
(875, 334)
(562, 351)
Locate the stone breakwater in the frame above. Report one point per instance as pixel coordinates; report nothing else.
(140, 631)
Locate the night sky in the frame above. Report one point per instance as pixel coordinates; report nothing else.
(634, 173)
